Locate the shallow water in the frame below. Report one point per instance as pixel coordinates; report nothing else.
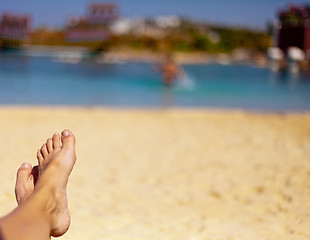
(45, 81)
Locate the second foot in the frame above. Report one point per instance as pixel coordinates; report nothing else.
(25, 181)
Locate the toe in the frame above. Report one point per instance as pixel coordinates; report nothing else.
(49, 145)
(39, 156)
(44, 151)
(40, 159)
(67, 139)
(56, 141)
(24, 172)
(24, 182)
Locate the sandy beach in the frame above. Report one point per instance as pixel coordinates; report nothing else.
(172, 174)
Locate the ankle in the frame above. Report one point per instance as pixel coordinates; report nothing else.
(44, 197)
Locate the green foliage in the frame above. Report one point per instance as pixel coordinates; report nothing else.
(200, 42)
(240, 38)
(188, 38)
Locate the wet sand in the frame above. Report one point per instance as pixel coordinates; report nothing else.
(177, 174)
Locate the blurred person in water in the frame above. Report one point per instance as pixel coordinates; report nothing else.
(169, 70)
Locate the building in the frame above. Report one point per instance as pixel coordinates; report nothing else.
(14, 27)
(294, 28)
(102, 13)
(95, 26)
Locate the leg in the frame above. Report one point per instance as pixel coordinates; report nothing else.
(42, 210)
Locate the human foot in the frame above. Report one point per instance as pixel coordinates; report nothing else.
(56, 161)
(25, 181)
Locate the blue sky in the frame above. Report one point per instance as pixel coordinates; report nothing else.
(251, 13)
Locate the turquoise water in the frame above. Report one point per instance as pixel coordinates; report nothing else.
(44, 81)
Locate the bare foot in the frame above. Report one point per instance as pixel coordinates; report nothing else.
(25, 180)
(56, 159)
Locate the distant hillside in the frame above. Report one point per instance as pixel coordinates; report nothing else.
(184, 35)
(192, 36)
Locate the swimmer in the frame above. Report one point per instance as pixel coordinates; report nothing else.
(169, 71)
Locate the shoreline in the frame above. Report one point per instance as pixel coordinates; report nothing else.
(155, 109)
(239, 56)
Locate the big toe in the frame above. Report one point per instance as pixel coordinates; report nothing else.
(67, 139)
(24, 182)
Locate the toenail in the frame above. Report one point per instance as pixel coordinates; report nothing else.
(65, 133)
(25, 165)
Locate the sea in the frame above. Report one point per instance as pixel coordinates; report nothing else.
(42, 80)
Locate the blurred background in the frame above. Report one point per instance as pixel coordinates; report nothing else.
(250, 55)
(175, 171)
